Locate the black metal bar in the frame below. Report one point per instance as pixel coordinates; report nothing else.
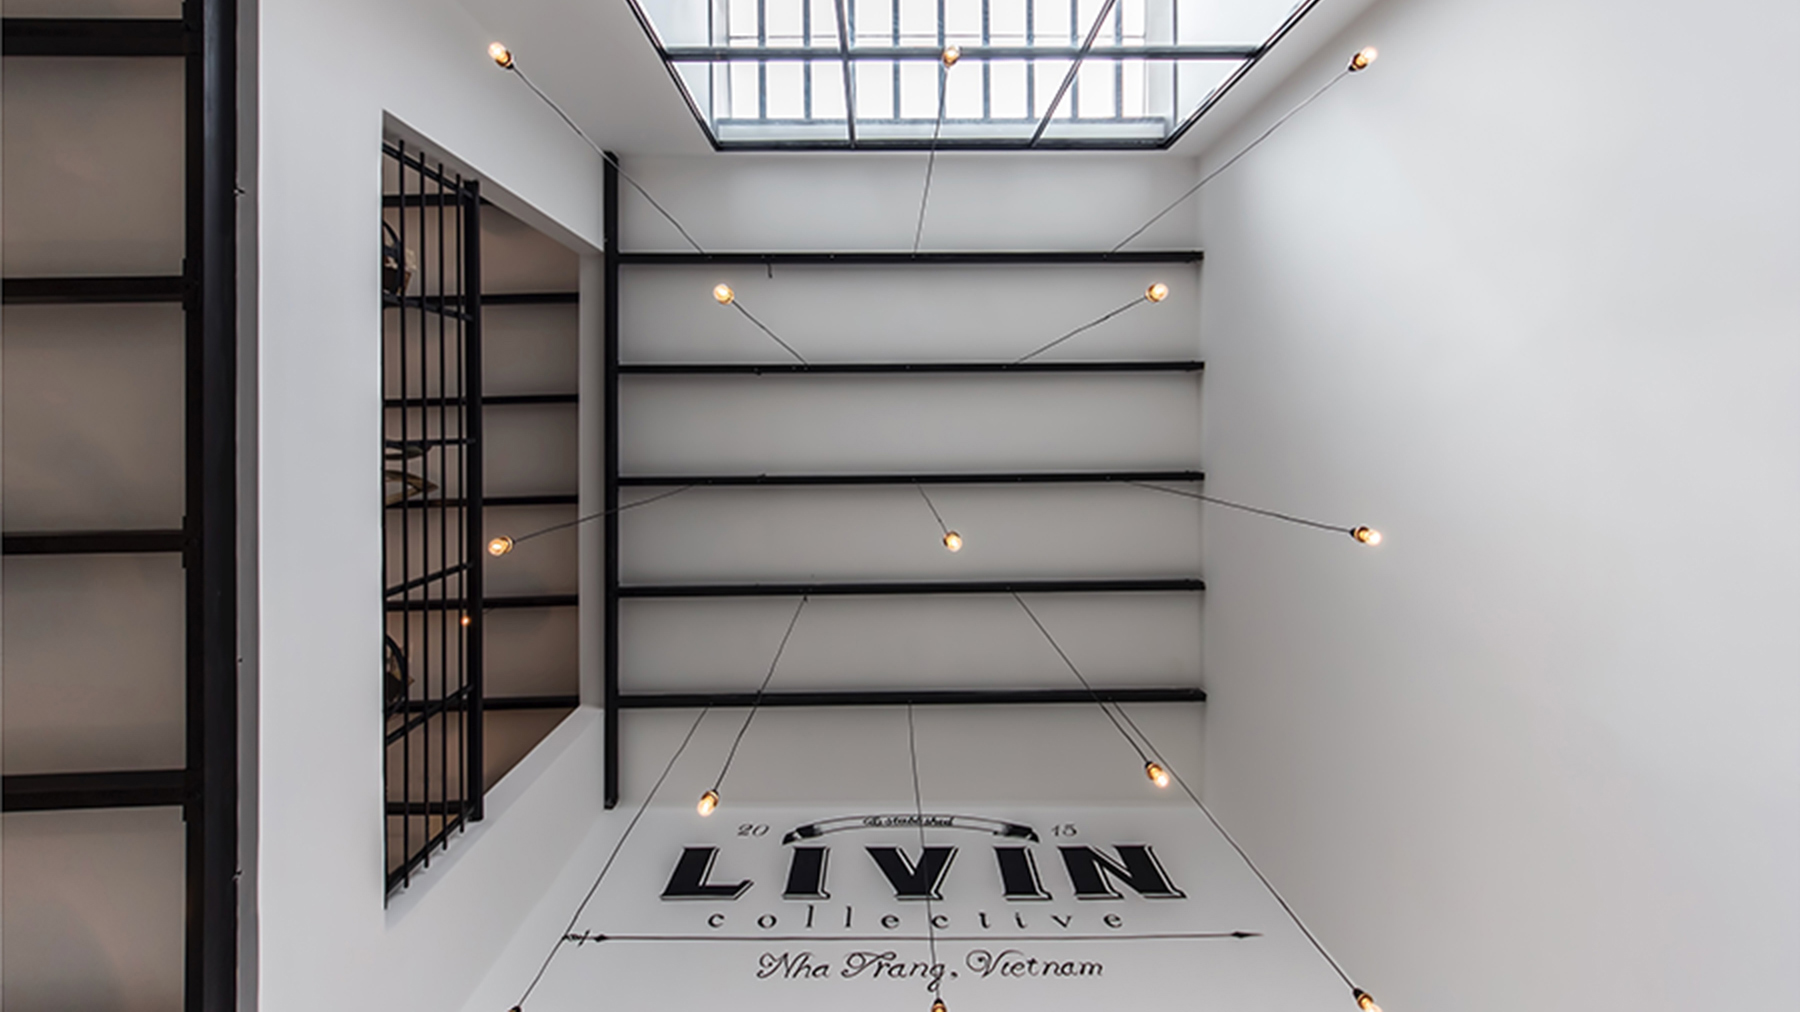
(473, 477)
(490, 603)
(492, 501)
(908, 697)
(894, 368)
(905, 588)
(954, 144)
(52, 792)
(609, 471)
(531, 298)
(1231, 82)
(55, 291)
(1024, 258)
(95, 542)
(394, 201)
(211, 978)
(420, 581)
(93, 37)
(925, 54)
(490, 401)
(492, 703)
(427, 303)
(418, 164)
(972, 478)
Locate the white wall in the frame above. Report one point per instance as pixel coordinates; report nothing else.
(1523, 296)
(333, 76)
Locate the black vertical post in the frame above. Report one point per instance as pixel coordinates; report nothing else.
(210, 524)
(609, 352)
(475, 551)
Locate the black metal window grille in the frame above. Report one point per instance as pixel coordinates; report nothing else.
(432, 484)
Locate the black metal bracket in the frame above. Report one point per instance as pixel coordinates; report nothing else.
(1016, 258)
(913, 588)
(893, 368)
(53, 792)
(94, 37)
(907, 697)
(96, 542)
(57, 291)
(935, 478)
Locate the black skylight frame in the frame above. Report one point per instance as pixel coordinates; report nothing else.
(1249, 55)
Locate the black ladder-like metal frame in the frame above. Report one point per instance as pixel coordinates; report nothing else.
(616, 701)
(206, 788)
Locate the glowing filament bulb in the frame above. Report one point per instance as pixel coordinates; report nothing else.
(1367, 535)
(501, 55)
(708, 802)
(1363, 58)
(466, 620)
(953, 541)
(951, 55)
(1365, 1002)
(1157, 292)
(724, 295)
(939, 1006)
(1156, 773)
(500, 545)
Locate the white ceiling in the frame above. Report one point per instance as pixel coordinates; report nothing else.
(595, 60)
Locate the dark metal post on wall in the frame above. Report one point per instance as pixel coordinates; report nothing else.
(609, 353)
(474, 639)
(211, 521)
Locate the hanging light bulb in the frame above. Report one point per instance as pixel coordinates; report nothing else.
(1157, 292)
(500, 545)
(724, 295)
(951, 55)
(501, 55)
(1158, 776)
(937, 1005)
(466, 620)
(708, 802)
(1364, 1001)
(953, 541)
(1367, 535)
(1363, 58)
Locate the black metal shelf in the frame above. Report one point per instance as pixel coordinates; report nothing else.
(892, 258)
(95, 542)
(93, 37)
(490, 603)
(907, 697)
(530, 298)
(73, 290)
(59, 792)
(910, 588)
(938, 478)
(894, 368)
(488, 501)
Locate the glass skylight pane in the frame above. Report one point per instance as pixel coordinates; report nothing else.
(918, 90)
(874, 89)
(824, 25)
(1006, 22)
(874, 22)
(1229, 22)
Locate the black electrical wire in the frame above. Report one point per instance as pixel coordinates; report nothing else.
(1090, 325)
(912, 747)
(933, 507)
(604, 513)
(756, 703)
(564, 935)
(1229, 162)
(931, 159)
(1259, 511)
(739, 306)
(1135, 747)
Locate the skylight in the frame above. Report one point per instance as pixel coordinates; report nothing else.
(782, 74)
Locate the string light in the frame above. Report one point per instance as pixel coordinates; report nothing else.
(503, 545)
(1367, 535)
(949, 57)
(938, 1006)
(1363, 1000)
(1158, 776)
(501, 55)
(724, 296)
(1359, 61)
(912, 751)
(953, 541)
(1155, 293)
(952, 53)
(709, 801)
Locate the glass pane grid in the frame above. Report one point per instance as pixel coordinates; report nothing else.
(779, 72)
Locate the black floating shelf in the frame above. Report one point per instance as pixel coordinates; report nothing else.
(1016, 257)
(971, 478)
(95, 542)
(905, 697)
(895, 368)
(49, 792)
(94, 37)
(907, 588)
(55, 291)
(530, 298)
